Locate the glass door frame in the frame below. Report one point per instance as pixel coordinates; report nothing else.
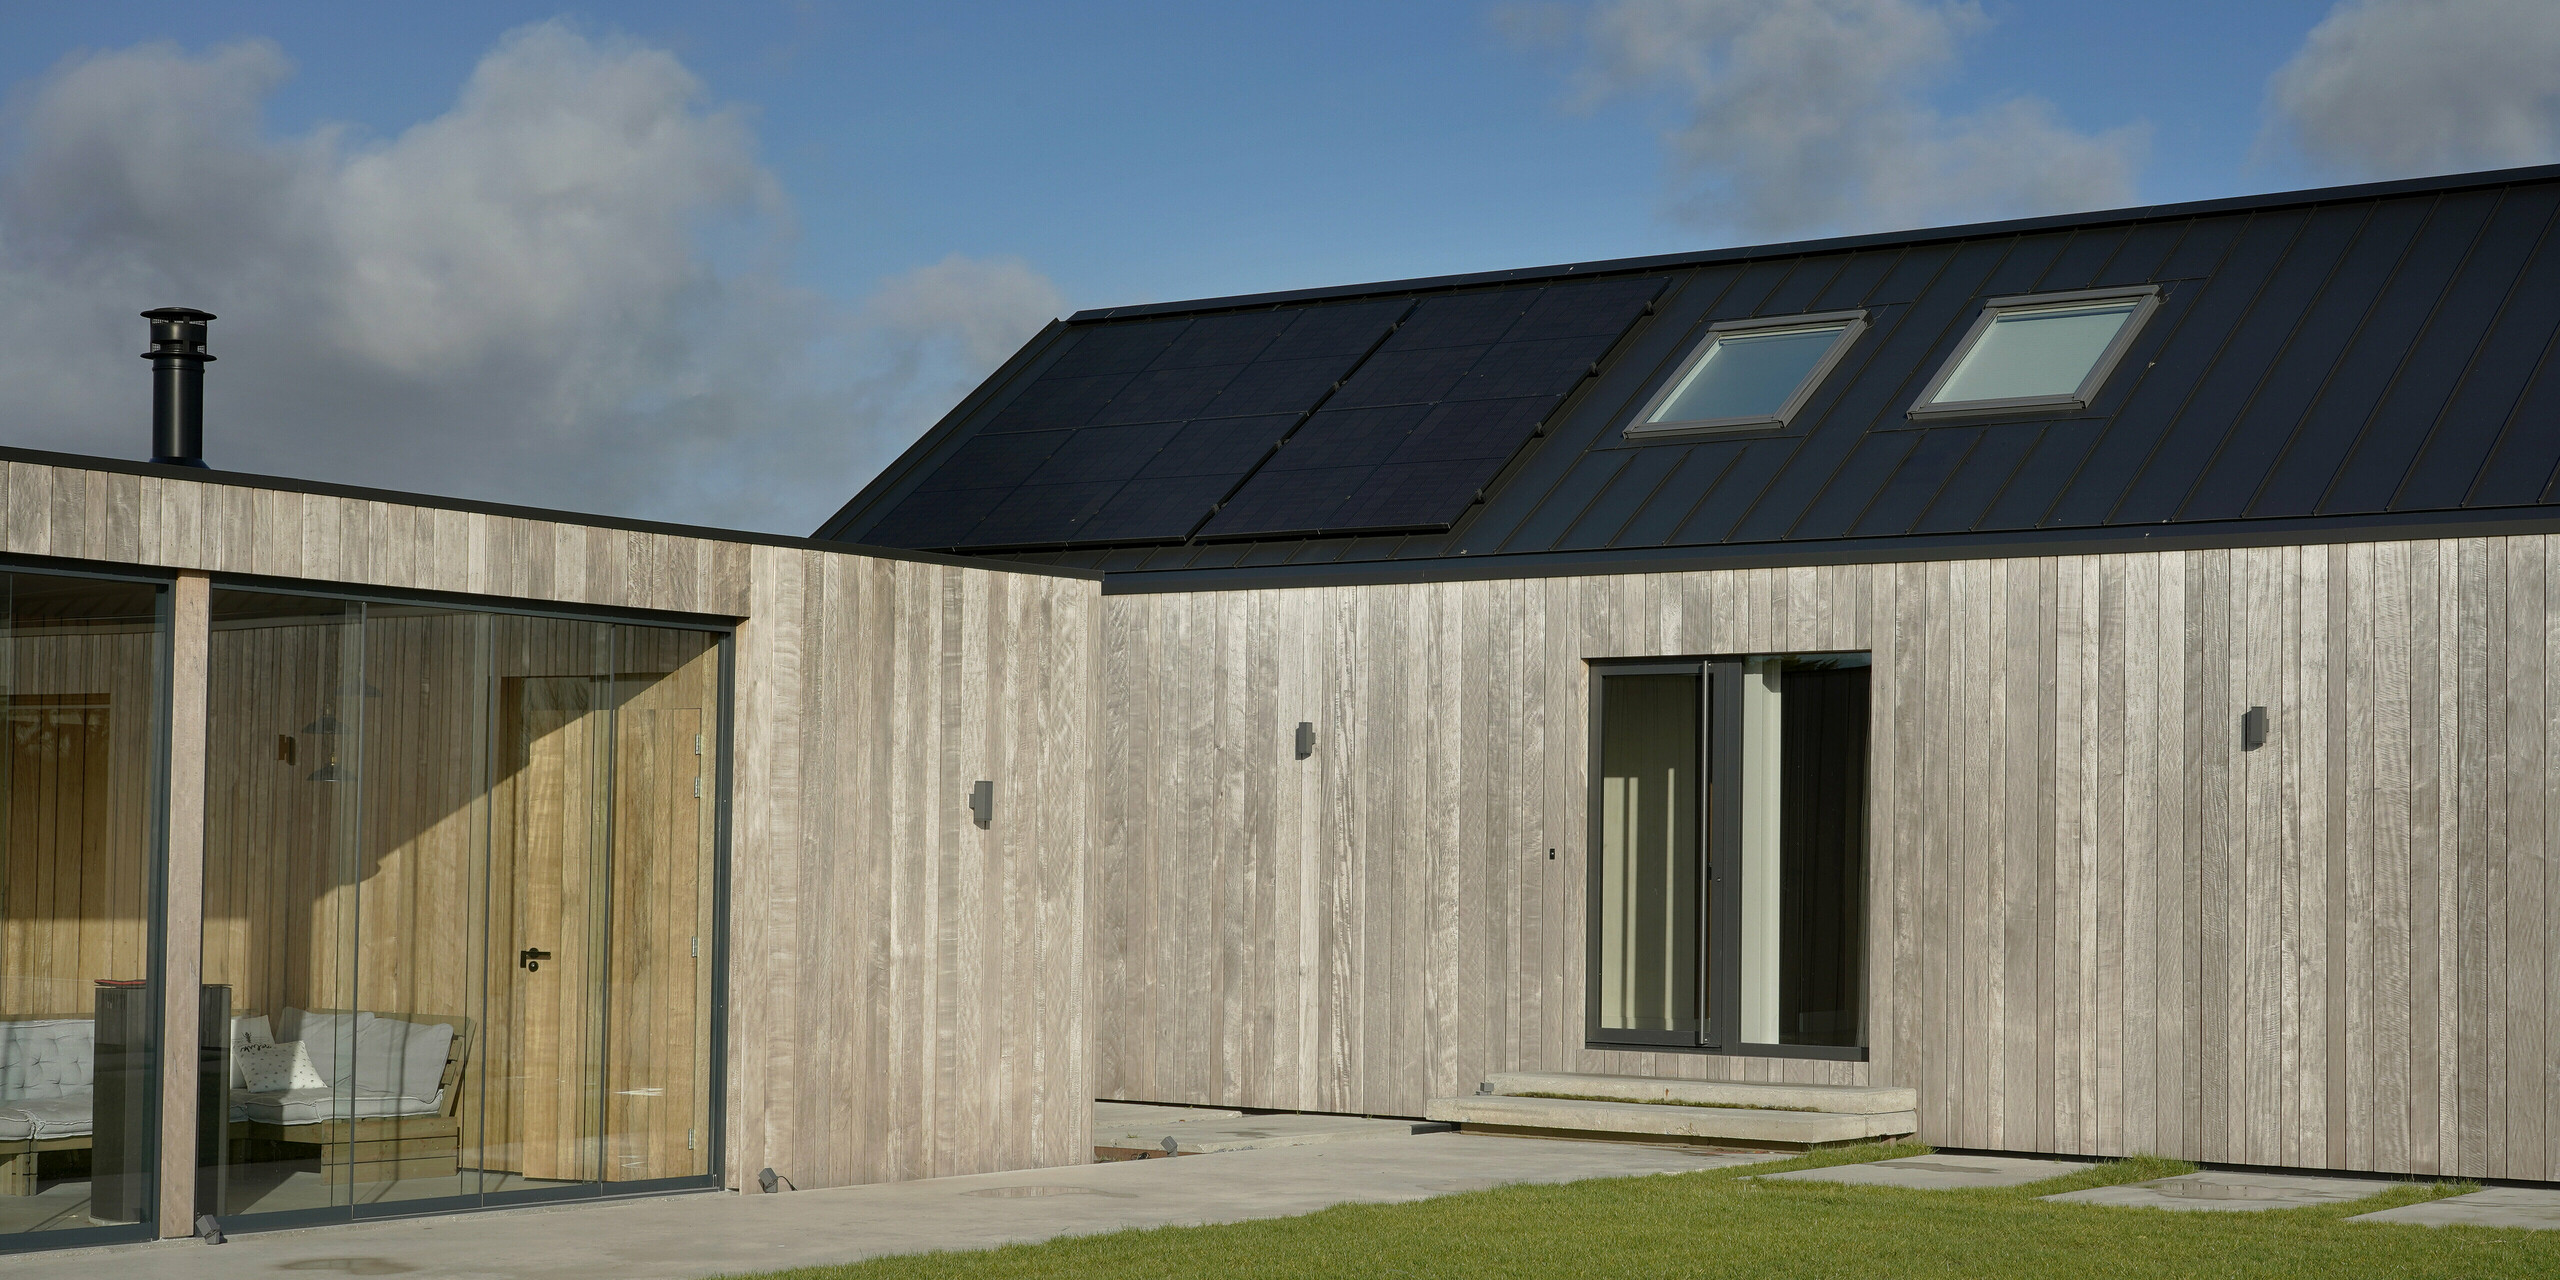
(1718, 857)
(155, 897)
(723, 731)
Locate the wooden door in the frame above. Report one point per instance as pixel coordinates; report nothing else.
(552, 1001)
(656, 985)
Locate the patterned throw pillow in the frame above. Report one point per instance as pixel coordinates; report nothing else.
(277, 1068)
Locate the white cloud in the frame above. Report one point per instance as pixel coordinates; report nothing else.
(514, 300)
(1801, 117)
(2398, 88)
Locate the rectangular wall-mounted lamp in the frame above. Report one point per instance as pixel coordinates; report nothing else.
(2253, 728)
(982, 802)
(1306, 739)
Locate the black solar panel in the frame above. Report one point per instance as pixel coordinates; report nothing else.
(1097, 454)
(1155, 508)
(1137, 429)
(1218, 447)
(995, 462)
(1413, 436)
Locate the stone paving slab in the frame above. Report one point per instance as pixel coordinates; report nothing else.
(1255, 1133)
(1939, 1172)
(1108, 1115)
(682, 1237)
(2230, 1192)
(2531, 1207)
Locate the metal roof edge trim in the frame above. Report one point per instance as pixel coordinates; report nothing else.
(2266, 202)
(1920, 549)
(327, 489)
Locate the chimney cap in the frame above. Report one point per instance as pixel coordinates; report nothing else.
(183, 314)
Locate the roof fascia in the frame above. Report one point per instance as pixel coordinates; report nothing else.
(281, 484)
(1923, 549)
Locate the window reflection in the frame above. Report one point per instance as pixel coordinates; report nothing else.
(79, 670)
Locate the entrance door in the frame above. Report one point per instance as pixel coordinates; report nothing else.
(546, 989)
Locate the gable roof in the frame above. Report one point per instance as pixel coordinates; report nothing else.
(2343, 362)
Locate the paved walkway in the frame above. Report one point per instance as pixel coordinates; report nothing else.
(715, 1233)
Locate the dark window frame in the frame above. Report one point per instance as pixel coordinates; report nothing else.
(1853, 324)
(2146, 299)
(1719, 834)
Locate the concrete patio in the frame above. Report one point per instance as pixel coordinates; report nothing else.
(680, 1237)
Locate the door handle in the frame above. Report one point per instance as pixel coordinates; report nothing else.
(531, 958)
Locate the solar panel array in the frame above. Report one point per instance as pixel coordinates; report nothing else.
(1137, 431)
(1413, 437)
(1345, 416)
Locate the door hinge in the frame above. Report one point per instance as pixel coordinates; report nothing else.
(697, 946)
(688, 1139)
(697, 786)
(697, 744)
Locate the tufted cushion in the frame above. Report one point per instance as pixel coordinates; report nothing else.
(47, 1058)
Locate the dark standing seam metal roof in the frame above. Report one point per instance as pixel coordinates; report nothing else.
(2353, 358)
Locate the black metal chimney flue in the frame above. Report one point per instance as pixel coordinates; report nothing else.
(178, 358)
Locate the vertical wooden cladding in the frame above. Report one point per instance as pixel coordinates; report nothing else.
(2097, 924)
(907, 991)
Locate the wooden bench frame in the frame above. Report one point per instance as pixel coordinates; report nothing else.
(384, 1148)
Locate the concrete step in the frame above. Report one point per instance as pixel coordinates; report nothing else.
(1838, 1098)
(1790, 1130)
(1108, 1114)
(1244, 1133)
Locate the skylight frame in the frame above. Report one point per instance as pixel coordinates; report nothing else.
(2146, 298)
(1852, 323)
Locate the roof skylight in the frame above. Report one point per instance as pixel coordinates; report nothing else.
(2050, 351)
(1751, 373)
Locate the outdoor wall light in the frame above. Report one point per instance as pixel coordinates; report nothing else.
(2253, 728)
(1306, 739)
(982, 803)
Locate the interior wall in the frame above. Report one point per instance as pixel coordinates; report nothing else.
(81, 705)
(2096, 924)
(906, 990)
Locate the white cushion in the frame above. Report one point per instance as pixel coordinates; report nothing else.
(311, 1106)
(325, 1033)
(63, 1116)
(278, 1068)
(406, 1058)
(47, 1058)
(245, 1032)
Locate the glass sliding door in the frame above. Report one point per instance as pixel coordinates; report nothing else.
(1729, 872)
(495, 956)
(82, 665)
(1647, 904)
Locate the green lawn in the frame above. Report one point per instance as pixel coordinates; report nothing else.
(1717, 1223)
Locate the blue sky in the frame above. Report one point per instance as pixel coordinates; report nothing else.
(1150, 151)
(917, 183)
